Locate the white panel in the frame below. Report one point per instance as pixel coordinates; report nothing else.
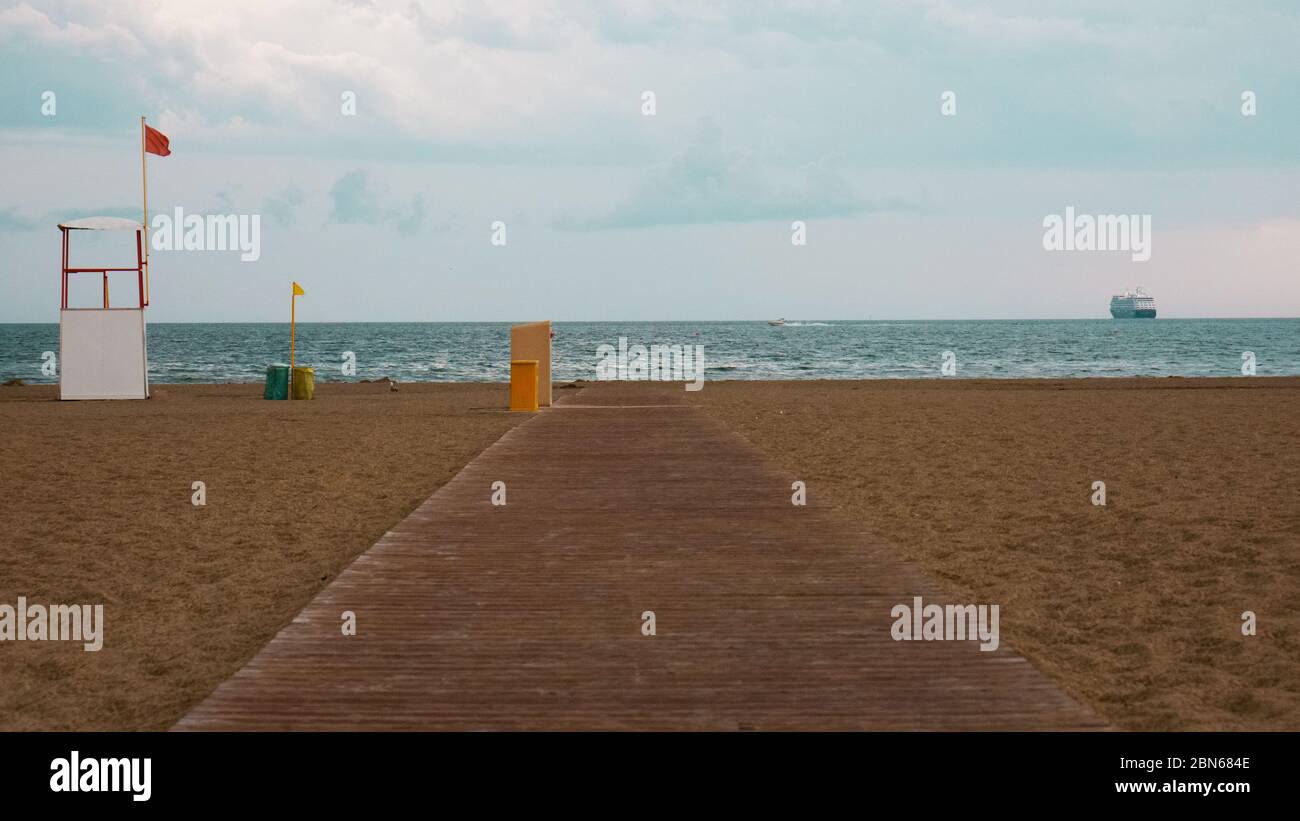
(102, 354)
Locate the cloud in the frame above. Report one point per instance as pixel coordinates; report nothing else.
(712, 183)
(282, 207)
(109, 39)
(521, 80)
(14, 220)
(357, 200)
(354, 200)
(988, 25)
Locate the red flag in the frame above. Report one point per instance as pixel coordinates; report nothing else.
(156, 142)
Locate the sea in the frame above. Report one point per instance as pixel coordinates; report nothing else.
(808, 349)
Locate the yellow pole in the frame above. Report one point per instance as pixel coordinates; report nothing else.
(293, 304)
(144, 188)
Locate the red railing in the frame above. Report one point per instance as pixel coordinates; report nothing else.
(104, 272)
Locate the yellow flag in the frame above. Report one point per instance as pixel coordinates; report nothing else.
(297, 290)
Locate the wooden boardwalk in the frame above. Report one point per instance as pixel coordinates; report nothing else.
(623, 499)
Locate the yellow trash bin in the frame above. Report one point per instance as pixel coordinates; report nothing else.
(304, 383)
(523, 384)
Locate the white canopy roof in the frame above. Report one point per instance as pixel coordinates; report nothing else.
(102, 224)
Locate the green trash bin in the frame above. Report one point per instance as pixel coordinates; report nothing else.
(277, 382)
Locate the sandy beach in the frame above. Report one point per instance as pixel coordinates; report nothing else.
(1133, 608)
(98, 509)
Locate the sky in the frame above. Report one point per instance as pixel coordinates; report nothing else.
(384, 146)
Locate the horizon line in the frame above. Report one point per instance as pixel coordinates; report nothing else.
(662, 321)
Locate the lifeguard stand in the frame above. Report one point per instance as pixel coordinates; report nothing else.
(102, 352)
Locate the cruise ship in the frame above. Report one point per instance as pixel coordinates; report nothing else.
(1133, 305)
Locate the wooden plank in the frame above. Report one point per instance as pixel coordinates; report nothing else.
(623, 499)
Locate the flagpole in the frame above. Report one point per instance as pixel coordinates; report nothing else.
(144, 189)
(293, 304)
